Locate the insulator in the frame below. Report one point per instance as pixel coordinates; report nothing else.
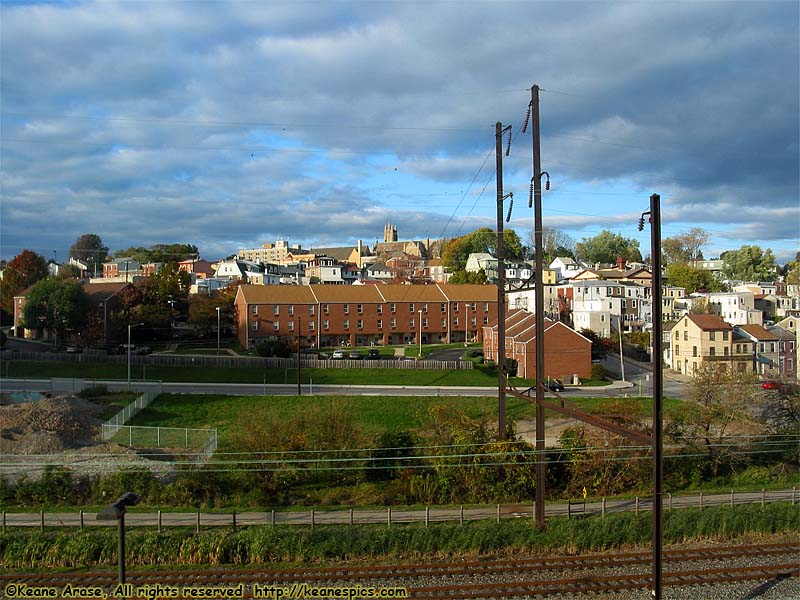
(508, 146)
(510, 208)
(641, 223)
(547, 184)
(527, 118)
(530, 196)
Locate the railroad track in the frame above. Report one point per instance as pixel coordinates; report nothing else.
(532, 576)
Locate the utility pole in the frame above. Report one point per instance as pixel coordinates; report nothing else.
(501, 284)
(658, 391)
(539, 309)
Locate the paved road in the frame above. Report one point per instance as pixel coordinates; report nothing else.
(395, 515)
(254, 389)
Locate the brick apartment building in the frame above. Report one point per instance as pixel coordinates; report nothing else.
(382, 315)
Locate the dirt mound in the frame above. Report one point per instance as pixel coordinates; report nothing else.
(48, 425)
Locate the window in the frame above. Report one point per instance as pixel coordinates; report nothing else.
(677, 335)
(444, 308)
(485, 320)
(379, 324)
(291, 325)
(712, 335)
(624, 303)
(276, 310)
(633, 303)
(394, 323)
(291, 310)
(393, 307)
(255, 325)
(346, 323)
(360, 324)
(761, 346)
(712, 351)
(424, 322)
(694, 350)
(485, 307)
(411, 323)
(276, 325)
(360, 309)
(311, 325)
(725, 351)
(311, 309)
(455, 322)
(255, 309)
(455, 307)
(474, 320)
(772, 347)
(473, 307)
(411, 307)
(685, 336)
(724, 336)
(444, 323)
(425, 308)
(326, 324)
(677, 349)
(379, 309)
(325, 309)
(347, 309)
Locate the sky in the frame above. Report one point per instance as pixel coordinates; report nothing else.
(232, 124)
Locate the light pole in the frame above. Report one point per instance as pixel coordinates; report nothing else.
(466, 324)
(420, 332)
(116, 512)
(130, 326)
(218, 309)
(621, 359)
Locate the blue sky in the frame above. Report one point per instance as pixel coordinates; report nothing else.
(232, 124)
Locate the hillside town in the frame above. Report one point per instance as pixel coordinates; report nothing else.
(401, 292)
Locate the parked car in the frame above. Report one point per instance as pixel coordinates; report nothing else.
(338, 354)
(142, 350)
(73, 349)
(373, 354)
(770, 385)
(554, 385)
(355, 355)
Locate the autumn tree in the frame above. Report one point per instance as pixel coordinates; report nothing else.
(555, 243)
(719, 397)
(21, 272)
(749, 263)
(684, 247)
(57, 305)
(89, 249)
(161, 294)
(457, 251)
(607, 246)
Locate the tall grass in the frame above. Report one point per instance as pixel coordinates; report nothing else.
(263, 544)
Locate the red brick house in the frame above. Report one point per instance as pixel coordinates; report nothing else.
(566, 352)
(381, 315)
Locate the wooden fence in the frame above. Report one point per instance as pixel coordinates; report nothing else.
(392, 515)
(227, 361)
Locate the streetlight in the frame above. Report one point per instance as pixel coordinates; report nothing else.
(420, 332)
(466, 324)
(117, 512)
(218, 308)
(130, 326)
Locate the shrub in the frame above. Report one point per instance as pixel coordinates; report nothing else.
(94, 391)
(598, 372)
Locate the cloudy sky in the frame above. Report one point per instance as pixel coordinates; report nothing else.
(232, 124)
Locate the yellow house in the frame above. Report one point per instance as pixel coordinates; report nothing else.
(700, 338)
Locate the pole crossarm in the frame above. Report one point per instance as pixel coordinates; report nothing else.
(584, 417)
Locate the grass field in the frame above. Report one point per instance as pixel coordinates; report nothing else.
(373, 414)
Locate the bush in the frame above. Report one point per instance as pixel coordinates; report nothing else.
(94, 391)
(277, 348)
(598, 372)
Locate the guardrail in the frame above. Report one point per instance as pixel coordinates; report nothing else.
(392, 515)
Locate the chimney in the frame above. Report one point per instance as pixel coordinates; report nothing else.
(621, 264)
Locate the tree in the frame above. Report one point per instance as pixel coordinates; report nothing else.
(161, 293)
(555, 243)
(719, 396)
(467, 277)
(457, 251)
(89, 249)
(749, 263)
(203, 311)
(160, 253)
(607, 247)
(694, 280)
(68, 271)
(684, 247)
(21, 272)
(792, 270)
(57, 305)
(600, 346)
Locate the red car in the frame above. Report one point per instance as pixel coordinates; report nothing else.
(770, 385)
